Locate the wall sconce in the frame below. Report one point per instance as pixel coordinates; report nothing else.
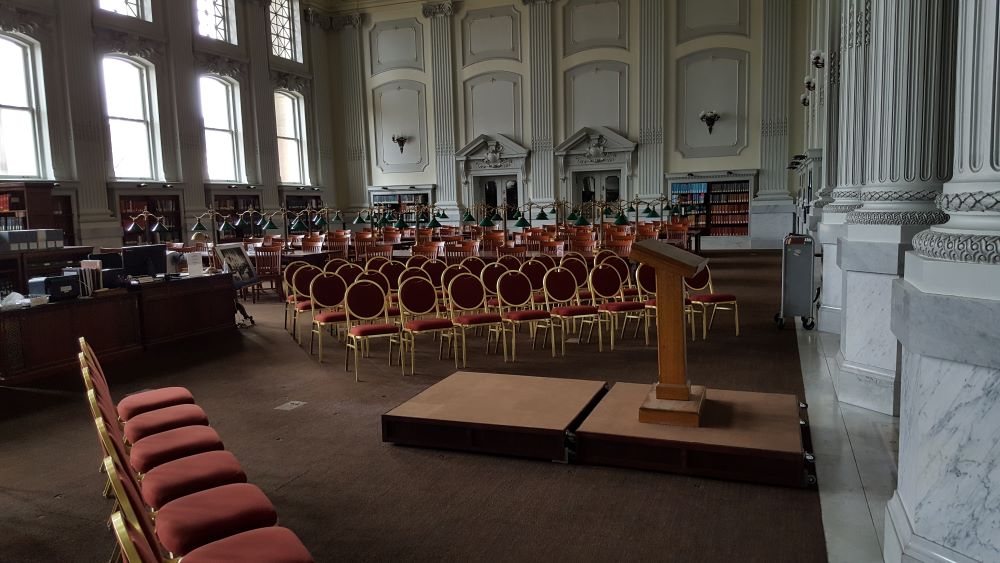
(809, 83)
(709, 118)
(817, 59)
(401, 141)
(804, 100)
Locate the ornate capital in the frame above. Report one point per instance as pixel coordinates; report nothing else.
(970, 201)
(223, 66)
(289, 81)
(438, 9)
(958, 247)
(16, 20)
(315, 17)
(128, 43)
(343, 21)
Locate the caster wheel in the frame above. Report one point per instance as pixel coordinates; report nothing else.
(810, 458)
(780, 322)
(808, 323)
(777, 317)
(811, 479)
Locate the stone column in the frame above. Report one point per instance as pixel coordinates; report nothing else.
(907, 160)
(542, 159)
(651, 100)
(443, 78)
(855, 37)
(772, 212)
(321, 149)
(945, 313)
(355, 120)
(266, 149)
(829, 75)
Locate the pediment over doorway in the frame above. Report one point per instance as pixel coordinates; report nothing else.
(492, 151)
(595, 144)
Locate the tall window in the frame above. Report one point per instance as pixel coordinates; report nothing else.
(128, 93)
(131, 8)
(284, 36)
(288, 109)
(215, 20)
(20, 115)
(220, 113)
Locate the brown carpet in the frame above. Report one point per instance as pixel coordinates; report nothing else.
(349, 496)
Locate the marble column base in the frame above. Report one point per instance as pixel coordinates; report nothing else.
(865, 386)
(903, 545)
(828, 318)
(770, 221)
(100, 231)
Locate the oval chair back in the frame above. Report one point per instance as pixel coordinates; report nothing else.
(435, 269)
(350, 272)
(535, 271)
(418, 297)
(377, 277)
(413, 273)
(391, 271)
(466, 293)
(365, 301)
(573, 254)
(289, 271)
(475, 265)
(333, 264)
(605, 284)
(376, 262)
(619, 264)
(327, 290)
(490, 274)
(602, 254)
(645, 277)
(547, 259)
(514, 289)
(416, 260)
(303, 277)
(578, 267)
(450, 273)
(560, 287)
(700, 282)
(512, 261)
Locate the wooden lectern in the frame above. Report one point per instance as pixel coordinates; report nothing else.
(673, 401)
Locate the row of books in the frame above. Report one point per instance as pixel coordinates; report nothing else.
(730, 231)
(732, 219)
(729, 198)
(728, 208)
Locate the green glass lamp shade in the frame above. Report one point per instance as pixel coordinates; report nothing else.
(516, 215)
(134, 228)
(433, 223)
(400, 223)
(652, 214)
(268, 225)
(239, 222)
(496, 216)
(359, 220)
(541, 216)
(158, 227)
(572, 216)
(522, 222)
(385, 220)
(199, 227)
(320, 221)
(443, 214)
(581, 221)
(338, 218)
(468, 218)
(631, 208)
(297, 225)
(226, 227)
(647, 210)
(608, 212)
(486, 222)
(621, 219)
(553, 210)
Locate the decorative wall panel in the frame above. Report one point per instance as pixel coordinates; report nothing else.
(493, 105)
(590, 24)
(401, 111)
(597, 95)
(397, 44)
(698, 18)
(491, 33)
(712, 80)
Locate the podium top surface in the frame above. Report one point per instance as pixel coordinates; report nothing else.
(541, 403)
(662, 255)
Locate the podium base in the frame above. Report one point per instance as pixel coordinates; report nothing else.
(673, 412)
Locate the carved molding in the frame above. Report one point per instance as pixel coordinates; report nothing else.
(841, 207)
(862, 217)
(417, 62)
(846, 193)
(290, 81)
(25, 22)
(618, 41)
(495, 13)
(382, 130)
(438, 10)
(132, 44)
(343, 21)
(958, 247)
(735, 111)
(223, 66)
(969, 201)
(899, 195)
(686, 33)
(569, 93)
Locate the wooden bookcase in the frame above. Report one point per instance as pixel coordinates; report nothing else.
(167, 206)
(228, 204)
(26, 206)
(691, 199)
(729, 209)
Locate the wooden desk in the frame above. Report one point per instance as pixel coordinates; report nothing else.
(19, 265)
(41, 341)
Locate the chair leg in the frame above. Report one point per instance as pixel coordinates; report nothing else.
(319, 332)
(736, 317)
(357, 364)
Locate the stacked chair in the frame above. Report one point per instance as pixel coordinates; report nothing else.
(179, 494)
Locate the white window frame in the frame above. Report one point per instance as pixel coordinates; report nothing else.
(144, 9)
(236, 124)
(300, 137)
(35, 88)
(230, 35)
(296, 32)
(150, 115)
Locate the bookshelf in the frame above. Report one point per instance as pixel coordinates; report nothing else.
(397, 197)
(729, 209)
(167, 206)
(691, 199)
(25, 206)
(230, 205)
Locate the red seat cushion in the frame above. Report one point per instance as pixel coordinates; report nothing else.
(631, 291)
(167, 418)
(374, 330)
(493, 302)
(529, 315)
(393, 311)
(478, 319)
(145, 401)
(160, 448)
(538, 298)
(713, 298)
(303, 305)
(585, 294)
(652, 302)
(294, 298)
(206, 516)
(418, 325)
(190, 474)
(394, 298)
(622, 306)
(273, 544)
(574, 311)
(332, 317)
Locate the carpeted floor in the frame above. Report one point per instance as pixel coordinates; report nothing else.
(349, 496)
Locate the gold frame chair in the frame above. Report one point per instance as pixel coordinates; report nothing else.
(710, 299)
(357, 342)
(411, 319)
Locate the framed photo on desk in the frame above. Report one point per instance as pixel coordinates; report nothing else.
(234, 260)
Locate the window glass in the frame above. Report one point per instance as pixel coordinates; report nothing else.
(221, 118)
(20, 149)
(290, 120)
(213, 19)
(132, 8)
(126, 89)
(282, 29)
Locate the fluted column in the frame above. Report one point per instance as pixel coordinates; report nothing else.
(945, 313)
(321, 163)
(542, 187)
(443, 79)
(651, 99)
(829, 57)
(259, 47)
(855, 37)
(772, 212)
(355, 121)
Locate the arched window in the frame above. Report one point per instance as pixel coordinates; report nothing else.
(21, 119)
(128, 94)
(290, 115)
(220, 113)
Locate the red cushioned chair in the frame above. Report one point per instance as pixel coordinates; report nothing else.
(516, 306)
(301, 281)
(577, 265)
(376, 262)
(367, 319)
(327, 292)
(563, 301)
(420, 313)
(629, 291)
(475, 265)
(286, 285)
(391, 271)
(449, 274)
(536, 269)
(349, 272)
(489, 276)
(705, 301)
(333, 264)
(466, 302)
(547, 259)
(606, 287)
(435, 269)
(417, 260)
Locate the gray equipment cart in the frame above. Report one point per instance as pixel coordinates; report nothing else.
(797, 281)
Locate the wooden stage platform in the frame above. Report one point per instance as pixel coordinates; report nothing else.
(744, 436)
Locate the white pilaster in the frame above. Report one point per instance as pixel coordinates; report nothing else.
(540, 38)
(266, 149)
(944, 314)
(829, 75)
(651, 96)
(354, 119)
(443, 79)
(321, 147)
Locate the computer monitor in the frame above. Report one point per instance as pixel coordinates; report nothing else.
(146, 260)
(108, 259)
